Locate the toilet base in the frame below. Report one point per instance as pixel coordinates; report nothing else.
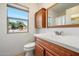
(29, 53)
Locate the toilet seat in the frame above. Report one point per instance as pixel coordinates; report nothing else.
(29, 46)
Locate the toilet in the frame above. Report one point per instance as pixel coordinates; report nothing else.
(29, 49)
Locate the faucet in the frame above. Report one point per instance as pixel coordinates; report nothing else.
(58, 32)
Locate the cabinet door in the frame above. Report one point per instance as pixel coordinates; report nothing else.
(39, 51)
(47, 53)
(40, 18)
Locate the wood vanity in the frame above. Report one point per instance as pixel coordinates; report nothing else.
(46, 48)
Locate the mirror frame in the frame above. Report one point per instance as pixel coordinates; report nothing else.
(60, 26)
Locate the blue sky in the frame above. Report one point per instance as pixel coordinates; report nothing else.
(13, 12)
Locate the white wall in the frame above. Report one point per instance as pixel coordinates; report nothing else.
(45, 5)
(67, 31)
(11, 44)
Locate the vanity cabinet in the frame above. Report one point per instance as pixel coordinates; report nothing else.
(48, 53)
(40, 18)
(40, 50)
(45, 48)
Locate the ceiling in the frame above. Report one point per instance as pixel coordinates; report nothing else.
(61, 7)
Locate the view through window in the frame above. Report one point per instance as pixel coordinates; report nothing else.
(17, 19)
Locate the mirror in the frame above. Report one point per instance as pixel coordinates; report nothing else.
(75, 19)
(63, 15)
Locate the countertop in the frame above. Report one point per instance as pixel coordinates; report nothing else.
(69, 42)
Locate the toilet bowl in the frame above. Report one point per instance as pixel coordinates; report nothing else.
(29, 49)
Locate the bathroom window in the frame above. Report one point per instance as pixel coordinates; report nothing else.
(18, 19)
(51, 21)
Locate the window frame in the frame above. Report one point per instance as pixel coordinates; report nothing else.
(17, 18)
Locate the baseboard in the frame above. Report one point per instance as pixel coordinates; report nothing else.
(21, 53)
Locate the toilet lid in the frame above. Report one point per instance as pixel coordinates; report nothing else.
(29, 45)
